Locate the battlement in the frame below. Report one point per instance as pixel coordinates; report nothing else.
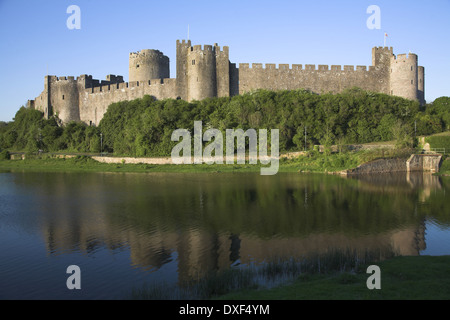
(405, 57)
(57, 79)
(306, 67)
(210, 48)
(225, 49)
(105, 87)
(384, 49)
(184, 42)
(205, 47)
(146, 52)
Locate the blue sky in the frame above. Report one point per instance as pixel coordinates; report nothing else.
(34, 37)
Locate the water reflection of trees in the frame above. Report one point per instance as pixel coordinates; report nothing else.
(213, 220)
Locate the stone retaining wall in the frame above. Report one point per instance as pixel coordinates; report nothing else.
(129, 160)
(379, 166)
(424, 162)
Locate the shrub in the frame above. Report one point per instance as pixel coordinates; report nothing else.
(5, 155)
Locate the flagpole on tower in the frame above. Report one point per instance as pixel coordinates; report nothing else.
(385, 36)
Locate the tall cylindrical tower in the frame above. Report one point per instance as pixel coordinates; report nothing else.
(201, 67)
(404, 76)
(148, 64)
(183, 48)
(64, 98)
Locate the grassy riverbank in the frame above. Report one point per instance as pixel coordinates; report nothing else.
(311, 162)
(409, 278)
(445, 167)
(336, 275)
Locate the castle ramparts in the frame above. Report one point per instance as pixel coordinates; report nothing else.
(205, 71)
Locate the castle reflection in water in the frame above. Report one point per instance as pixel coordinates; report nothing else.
(206, 222)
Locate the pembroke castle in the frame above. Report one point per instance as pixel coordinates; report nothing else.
(203, 72)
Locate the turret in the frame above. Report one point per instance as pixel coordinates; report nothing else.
(404, 76)
(148, 64)
(183, 48)
(201, 72)
(64, 98)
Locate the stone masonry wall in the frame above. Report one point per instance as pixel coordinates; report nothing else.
(379, 166)
(322, 79)
(207, 72)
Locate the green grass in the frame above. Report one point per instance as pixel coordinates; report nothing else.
(441, 141)
(402, 278)
(85, 164)
(273, 273)
(313, 162)
(445, 167)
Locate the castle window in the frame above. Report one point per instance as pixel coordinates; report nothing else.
(137, 66)
(63, 97)
(412, 81)
(193, 62)
(411, 68)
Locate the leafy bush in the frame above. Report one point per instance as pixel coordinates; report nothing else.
(4, 155)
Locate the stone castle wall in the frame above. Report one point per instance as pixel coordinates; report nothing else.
(320, 79)
(205, 71)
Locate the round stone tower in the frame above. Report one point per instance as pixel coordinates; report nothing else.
(404, 76)
(148, 64)
(201, 72)
(64, 98)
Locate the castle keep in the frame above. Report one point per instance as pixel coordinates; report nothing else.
(203, 72)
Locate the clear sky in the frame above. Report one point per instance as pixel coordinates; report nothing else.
(35, 38)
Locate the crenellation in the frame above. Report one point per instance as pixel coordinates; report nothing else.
(132, 84)
(206, 71)
(168, 81)
(156, 81)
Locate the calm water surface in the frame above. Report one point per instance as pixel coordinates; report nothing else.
(124, 230)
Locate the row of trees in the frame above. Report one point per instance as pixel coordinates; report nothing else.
(143, 127)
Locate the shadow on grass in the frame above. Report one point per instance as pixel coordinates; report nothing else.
(270, 274)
